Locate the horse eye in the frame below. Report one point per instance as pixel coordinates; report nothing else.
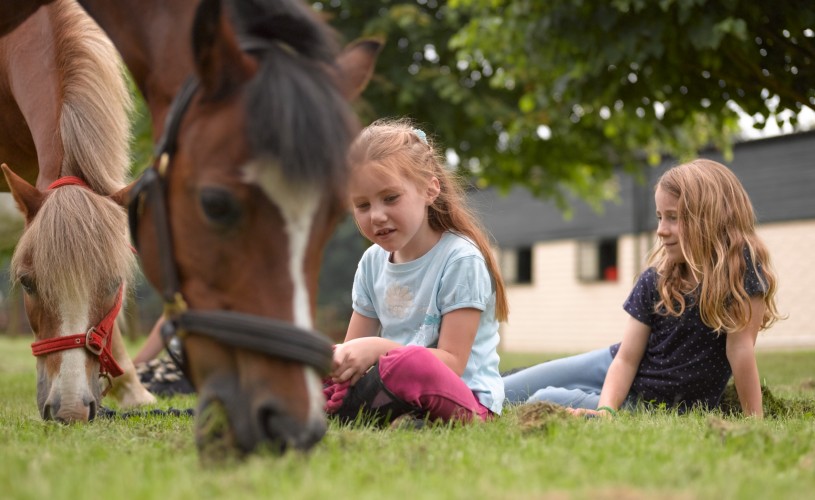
(27, 282)
(220, 206)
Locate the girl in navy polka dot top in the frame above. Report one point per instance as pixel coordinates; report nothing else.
(695, 312)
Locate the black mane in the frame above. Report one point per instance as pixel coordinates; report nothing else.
(296, 114)
(290, 22)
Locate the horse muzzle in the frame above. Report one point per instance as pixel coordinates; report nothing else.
(76, 404)
(235, 422)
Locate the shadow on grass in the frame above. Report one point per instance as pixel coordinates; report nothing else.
(774, 406)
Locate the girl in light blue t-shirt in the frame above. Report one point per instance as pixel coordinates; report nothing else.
(427, 295)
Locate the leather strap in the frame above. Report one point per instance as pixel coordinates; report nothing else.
(68, 180)
(260, 334)
(96, 340)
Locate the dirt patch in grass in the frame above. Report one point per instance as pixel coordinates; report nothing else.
(540, 415)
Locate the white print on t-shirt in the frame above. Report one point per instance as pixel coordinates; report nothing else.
(399, 301)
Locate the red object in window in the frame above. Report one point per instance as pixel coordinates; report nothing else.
(610, 273)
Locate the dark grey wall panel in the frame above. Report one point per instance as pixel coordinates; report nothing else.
(778, 174)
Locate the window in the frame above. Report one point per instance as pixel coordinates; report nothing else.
(597, 260)
(516, 265)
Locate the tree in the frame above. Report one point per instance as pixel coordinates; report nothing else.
(554, 95)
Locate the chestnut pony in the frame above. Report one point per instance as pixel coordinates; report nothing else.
(249, 105)
(64, 107)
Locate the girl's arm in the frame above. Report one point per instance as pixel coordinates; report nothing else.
(152, 346)
(621, 373)
(360, 350)
(456, 336)
(741, 355)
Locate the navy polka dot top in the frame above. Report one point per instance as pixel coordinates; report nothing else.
(685, 363)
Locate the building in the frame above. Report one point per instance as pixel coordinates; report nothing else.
(568, 278)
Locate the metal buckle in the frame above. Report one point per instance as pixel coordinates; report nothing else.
(88, 345)
(176, 307)
(163, 163)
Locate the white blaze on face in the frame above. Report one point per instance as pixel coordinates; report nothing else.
(72, 381)
(315, 391)
(297, 204)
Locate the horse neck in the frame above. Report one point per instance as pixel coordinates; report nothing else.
(31, 99)
(155, 48)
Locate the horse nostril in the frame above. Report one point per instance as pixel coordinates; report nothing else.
(91, 410)
(276, 427)
(47, 412)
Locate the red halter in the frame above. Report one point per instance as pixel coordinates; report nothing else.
(97, 339)
(68, 180)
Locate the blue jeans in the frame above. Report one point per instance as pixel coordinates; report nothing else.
(575, 381)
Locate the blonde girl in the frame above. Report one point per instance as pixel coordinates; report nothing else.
(694, 314)
(427, 295)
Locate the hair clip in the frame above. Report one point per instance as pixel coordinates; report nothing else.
(420, 134)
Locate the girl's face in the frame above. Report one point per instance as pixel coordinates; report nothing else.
(668, 228)
(392, 212)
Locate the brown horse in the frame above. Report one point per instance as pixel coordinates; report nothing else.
(248, 186)
(64, 108)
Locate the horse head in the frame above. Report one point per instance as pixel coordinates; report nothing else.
(231, 221)
(65, 115)
(72, 262)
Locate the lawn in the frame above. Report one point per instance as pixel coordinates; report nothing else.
(521, 455)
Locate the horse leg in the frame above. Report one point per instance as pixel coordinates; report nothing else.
(127, 389)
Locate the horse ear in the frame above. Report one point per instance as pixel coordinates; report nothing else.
(122, 196)
(29, 199)
(14, 12)
(220, 63)
(356, 66)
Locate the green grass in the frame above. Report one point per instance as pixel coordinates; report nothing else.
(635, 456)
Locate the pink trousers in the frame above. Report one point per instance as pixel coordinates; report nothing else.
(416, 376)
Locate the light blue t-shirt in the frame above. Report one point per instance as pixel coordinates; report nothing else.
(409, 300)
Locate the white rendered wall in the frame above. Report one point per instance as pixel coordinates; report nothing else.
(558, 313)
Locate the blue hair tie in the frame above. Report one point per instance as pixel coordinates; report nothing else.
(420, 134)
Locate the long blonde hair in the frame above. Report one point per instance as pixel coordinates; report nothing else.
(396, 148)
(717, 226)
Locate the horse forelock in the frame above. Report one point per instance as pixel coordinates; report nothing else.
(94, 122)
(298, 118)
(77, 247)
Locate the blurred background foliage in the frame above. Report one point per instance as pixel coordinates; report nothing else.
(556, 95)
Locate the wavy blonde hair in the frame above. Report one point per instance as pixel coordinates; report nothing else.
(717, 226)
(393, 147)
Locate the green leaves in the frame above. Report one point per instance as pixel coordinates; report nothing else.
(620, 84)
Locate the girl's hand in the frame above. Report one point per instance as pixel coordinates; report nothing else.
(361, 349)
(586, 413)
(352, 359)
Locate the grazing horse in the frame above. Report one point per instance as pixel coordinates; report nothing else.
(249, 105)
(64, 108)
